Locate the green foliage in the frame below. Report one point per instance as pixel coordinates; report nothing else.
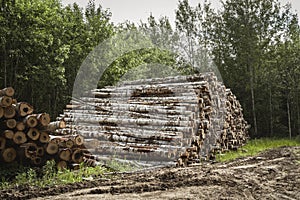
(255, 45)
(48, 175)
(42, 45)
(255, 146)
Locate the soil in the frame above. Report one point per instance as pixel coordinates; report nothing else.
(274, 174)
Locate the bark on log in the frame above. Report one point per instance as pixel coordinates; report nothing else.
(52, 126)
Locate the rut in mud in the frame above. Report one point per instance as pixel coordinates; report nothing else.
(274, 174)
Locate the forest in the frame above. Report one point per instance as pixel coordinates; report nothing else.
(254, 44)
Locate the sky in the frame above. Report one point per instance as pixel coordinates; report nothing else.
(137, 10)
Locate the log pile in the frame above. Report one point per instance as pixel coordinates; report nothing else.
(183, 118)
(27, 138)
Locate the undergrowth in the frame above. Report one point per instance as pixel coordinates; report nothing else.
(255, 146)
(14, 175)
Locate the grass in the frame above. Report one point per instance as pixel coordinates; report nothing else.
(46, 176)
(18, 176)
(14, 175)
(255, 146)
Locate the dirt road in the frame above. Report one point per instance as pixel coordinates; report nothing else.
(274, 174)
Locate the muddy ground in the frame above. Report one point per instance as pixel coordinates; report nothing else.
(274, 174)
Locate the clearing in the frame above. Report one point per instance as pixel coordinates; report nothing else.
(273, 174)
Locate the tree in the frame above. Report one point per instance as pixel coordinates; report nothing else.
(249, 29)
(42, 47)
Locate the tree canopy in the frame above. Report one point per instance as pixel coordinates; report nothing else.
(253, 44)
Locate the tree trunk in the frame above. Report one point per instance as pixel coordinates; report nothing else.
(271, 110)
(253, 103)
(289, 117)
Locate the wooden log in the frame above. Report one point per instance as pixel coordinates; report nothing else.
(9, 154)
(9, 112)
(43, 119)
(183, 113)
(14, 101)
(77, 156)
(1, 112)
(69, 143)
(52, 126)
(23, 109)
(19, 137)
(8, 134)
(44, 137)
(20, 126)
(37, 161)
(30, 150)
(9, 91)
(5, 101)
(61, 165)
(2, 143)
(33, 134)
(31, 121)
(138, 122)
(52, 148)
(9, 123)
(77, 139)
(40, 151)
(65, 154)
(62, 141)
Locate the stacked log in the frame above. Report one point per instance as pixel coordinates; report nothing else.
(183, 118)
(27, 138)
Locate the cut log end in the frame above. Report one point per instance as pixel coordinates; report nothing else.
(77, 156)
(33, 134)
(9, 91)
(65, 154)
(8, 134)
(31, 121)
(79, 140)
(10, 123)
(44, 119)
(61, 165)
(44, 137)
(52, 148)
(19, 137)
(9, 155)
(37, 161)
(9, 112)
(20, 126)
(24, 109)
(5, 101)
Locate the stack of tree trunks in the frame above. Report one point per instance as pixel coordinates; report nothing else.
(182, 118)
(26, 137)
